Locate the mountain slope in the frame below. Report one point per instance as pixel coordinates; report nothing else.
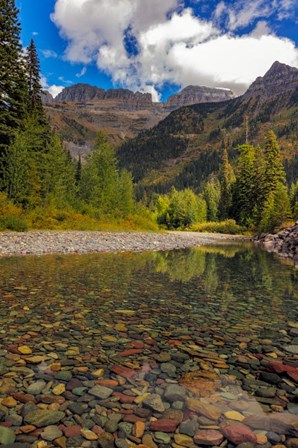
(185, 148)
(81, 110)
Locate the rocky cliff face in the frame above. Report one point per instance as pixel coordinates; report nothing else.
(197, 94)
(279, 79)
(80, 93)
(47, 98)
(84, 93)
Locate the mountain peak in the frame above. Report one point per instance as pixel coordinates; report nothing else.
(278, 79)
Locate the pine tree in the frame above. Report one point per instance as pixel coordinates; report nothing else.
(276, 209)
(212, 196)
(227, 179)
(33, 76)
(244, 187)
(13, 88)
(78, 175)
(274, 170)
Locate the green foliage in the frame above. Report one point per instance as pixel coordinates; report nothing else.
(227, 179)
(276, 210)
(14, 223)
(212, 196)
(294, 199)
(13, 87)
(101, 185)
(180, 209)
(228, 226)
(244, 186)
(33, 79)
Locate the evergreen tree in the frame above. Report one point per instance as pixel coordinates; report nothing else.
(79, 170)
(125, 194)
(227, 179)
(100, 177)
(33, 76)
(13, 88)
(244, 187)
(274, 170)
(276, 210)
(294, 199)
(212, 195)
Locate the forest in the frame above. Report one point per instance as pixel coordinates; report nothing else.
(42, 187)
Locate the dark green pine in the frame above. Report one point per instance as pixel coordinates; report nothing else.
(34, 85)
(13, 86)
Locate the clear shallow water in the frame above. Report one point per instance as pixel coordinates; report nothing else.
(229, 310)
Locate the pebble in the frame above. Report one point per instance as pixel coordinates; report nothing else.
(43, 242)
(124, 372)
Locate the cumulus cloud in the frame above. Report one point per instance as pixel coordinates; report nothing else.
(53, 89)
(172, 44)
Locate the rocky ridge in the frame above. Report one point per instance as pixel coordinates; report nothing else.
(197, 94)
(280, 78)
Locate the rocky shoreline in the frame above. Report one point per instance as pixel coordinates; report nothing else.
(77, 242)
(284, 243)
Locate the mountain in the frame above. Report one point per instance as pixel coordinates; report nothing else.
(185, 148)
(281, 78)
(81, 110)
(198, 94)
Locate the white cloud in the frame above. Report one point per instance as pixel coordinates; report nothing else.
(173, 44)
(244, 12)
(82, 72)
(35, 33)
(49, 54)
(55, 90)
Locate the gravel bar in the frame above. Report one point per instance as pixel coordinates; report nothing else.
(77, 242)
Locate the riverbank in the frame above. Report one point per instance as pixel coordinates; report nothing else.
(283, 243)
(46, 242)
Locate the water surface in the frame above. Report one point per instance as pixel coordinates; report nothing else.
(229, 310)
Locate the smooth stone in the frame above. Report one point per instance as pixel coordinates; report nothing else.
(183, 440)
(238, 433)
(77, 408)
(208, 410)
(111, 424)
(292, 349)
(189, 427)
(174, 392)
(162, 437)
(147, 440)
(154, 402)
(126, 428)
(208, 437)
(101, 392)
(51, 433)
(36, 388)
(169, 369)
(7, 435)
(43, 417)
(122, 443)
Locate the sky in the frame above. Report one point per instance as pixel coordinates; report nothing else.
(159, 46)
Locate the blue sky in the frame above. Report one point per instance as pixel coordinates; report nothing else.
(159, 46)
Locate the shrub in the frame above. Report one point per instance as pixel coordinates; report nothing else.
(14, 223)
(229, 227)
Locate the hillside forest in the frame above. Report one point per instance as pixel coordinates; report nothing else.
(43, 187)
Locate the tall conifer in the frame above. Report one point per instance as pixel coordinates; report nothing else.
(13, 89)
(33, 76)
